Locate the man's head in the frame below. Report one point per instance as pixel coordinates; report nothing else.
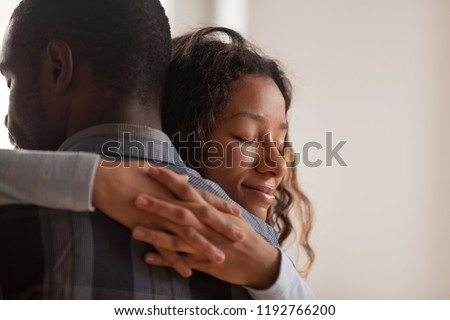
(65, 58)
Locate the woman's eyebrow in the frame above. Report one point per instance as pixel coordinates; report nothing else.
(257, 117)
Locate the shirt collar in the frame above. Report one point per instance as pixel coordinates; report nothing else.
(125, 141)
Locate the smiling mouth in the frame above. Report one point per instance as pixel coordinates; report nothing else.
(266, 194)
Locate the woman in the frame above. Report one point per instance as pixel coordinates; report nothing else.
(265, 193)
(225, 110)
(229, 98)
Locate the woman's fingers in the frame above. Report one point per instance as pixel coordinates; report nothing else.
(192, 214)
(156, 259)
(192, 262)
(161, 239)
(180, 239)
(222, 223)
(174, 213)
(183, 225)
(220, 204)
(179, 185)
(176, 183)
(170, 259)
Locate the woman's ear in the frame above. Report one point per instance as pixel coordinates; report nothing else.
(59, 55)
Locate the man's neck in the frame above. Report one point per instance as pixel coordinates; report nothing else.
(134, 114)
(130, 112)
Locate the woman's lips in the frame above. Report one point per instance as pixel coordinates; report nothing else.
(264, 193)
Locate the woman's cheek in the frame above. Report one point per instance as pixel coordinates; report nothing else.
(248, 156)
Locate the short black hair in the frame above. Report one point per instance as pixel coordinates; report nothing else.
(126, 42)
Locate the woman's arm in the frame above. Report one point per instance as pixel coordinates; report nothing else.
(49, 179)
(288, 286)
(66, 181)
(268, 272)
(76, 181)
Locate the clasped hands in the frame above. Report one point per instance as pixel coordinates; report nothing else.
(190, 229)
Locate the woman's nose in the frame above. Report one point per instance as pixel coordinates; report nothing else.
(271, 159)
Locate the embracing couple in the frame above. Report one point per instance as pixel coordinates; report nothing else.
(83, 74)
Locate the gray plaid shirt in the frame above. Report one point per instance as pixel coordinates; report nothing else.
(56, 254)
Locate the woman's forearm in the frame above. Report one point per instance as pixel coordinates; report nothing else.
(62, 180)
(288, 286)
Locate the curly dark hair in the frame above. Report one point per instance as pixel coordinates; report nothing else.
(207, 66)
(127, 43)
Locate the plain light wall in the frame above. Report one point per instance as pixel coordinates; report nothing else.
(376, 74)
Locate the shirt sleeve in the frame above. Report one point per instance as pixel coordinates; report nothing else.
(288, 286)
(60, 180)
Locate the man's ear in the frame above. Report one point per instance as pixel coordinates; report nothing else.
(59, 55)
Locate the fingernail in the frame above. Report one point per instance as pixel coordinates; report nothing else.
(139, 233)
(219, 256)
(238, 233)
(236, 210)
(186, 272)
(142, 201)
(149, 259)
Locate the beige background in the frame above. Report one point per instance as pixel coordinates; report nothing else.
(376, 74)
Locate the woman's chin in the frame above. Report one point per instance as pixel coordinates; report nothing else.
(259, 212)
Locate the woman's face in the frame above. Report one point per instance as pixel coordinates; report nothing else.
(243, 154)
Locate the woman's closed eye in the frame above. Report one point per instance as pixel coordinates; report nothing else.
(247, 142)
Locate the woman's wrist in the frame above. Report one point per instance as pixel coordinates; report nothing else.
(267, 273)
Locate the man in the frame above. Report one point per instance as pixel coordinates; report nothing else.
(80, 72)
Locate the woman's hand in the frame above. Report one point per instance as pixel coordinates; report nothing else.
(252, 261)
(117, 186)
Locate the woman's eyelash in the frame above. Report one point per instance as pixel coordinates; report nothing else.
(281, 149)
(246, 141)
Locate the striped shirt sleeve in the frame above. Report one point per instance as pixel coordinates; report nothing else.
(288, 286)
(61, 180)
